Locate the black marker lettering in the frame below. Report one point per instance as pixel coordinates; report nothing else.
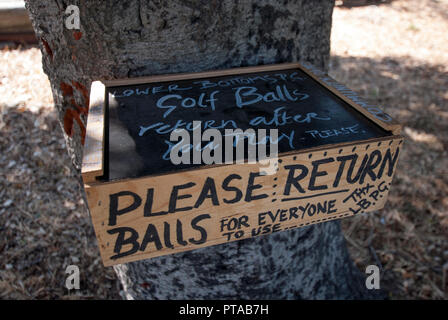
(295, 180)
(226, 187)
(175, 196)
(151, 235)
(166, 235)
(315, 173)
(251, 187)
(372, 164)
(208, 191)
(194, 225)
(388, 160)
(113, 206)
(352, 167)
(121, 241)
(147, 212)
(180, 237)
(342, 160)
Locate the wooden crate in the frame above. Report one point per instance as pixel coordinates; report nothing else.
(336, 160)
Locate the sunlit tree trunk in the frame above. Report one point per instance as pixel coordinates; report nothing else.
(130, 38)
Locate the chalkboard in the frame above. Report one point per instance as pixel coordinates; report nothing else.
(142, 116)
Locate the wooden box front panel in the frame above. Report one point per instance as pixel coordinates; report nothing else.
(153, 216)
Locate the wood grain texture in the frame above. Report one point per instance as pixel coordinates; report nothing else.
(93, 153)
(345, 199)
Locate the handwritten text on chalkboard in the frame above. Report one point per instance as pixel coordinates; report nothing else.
(304, 113)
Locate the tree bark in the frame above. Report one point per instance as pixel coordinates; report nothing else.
(131, 38)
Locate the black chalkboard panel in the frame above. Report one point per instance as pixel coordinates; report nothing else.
(141, 117)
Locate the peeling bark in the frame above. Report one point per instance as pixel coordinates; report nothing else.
(130, 38)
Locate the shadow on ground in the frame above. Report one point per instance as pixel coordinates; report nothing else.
(409, 237)
(43, 222)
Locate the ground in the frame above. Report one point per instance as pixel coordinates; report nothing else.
(394, 54)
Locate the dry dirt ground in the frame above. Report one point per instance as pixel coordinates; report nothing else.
(395, 54)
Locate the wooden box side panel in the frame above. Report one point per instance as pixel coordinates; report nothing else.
(372, 112)
(93, 153)
(154, 216)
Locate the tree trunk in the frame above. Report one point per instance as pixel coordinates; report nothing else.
(130, 38)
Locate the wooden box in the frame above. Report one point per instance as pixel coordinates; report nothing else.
(337, 156)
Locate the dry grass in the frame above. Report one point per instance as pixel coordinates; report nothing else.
(43, 222)
(395, 54)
